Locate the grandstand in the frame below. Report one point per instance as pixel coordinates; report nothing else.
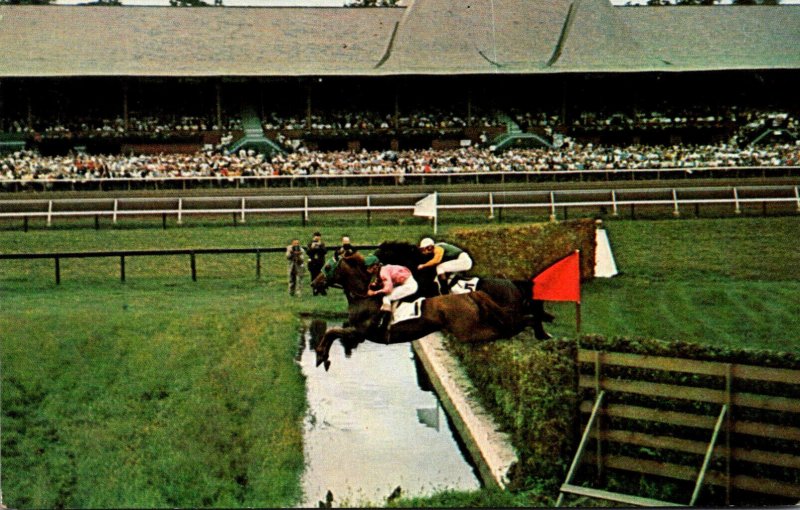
(432, 74)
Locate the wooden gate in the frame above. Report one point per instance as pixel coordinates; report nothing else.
(730, 424)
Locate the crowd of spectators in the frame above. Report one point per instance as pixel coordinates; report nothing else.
(431, 119)
(742, 124)
(26, 165)
(151, 125)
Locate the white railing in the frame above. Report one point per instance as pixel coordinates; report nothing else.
(243, 206)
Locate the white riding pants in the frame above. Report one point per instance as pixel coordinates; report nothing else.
(462, 263)
(400, 291)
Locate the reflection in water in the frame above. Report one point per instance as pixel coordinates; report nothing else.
(370, 428)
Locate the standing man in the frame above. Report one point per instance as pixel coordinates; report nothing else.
(447, 258)
(297, 258)
(316, 251)
(346, 249)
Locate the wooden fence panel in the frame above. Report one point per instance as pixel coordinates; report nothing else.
(675, 437)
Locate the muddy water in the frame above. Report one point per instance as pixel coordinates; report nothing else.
(371, 427)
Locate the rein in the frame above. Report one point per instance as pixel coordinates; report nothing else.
(330, 273)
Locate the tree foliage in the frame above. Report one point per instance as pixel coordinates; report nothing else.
(709, 2)
(372, 3)
(25, 2)
(188, 3)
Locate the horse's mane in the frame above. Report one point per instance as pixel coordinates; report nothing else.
(398, 252)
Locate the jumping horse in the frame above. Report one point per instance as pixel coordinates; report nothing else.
(472, 317)
(513, 295)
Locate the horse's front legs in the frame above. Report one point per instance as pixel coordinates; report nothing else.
(323, 348)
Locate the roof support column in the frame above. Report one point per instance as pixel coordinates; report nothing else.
(218, 86)
(125, 119)
(29, 102)
(396, 107)
(308, 105)
(2, 116)
(469, 107)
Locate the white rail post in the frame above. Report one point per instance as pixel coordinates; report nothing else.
(369, 212)
(675, 211)
(305, 208)
(797, 196)
(737, 210)
(49, 213)
(614, 210)
(180, 211)
(243, 206)
(116, 208)
(491, 206)
(552, 206)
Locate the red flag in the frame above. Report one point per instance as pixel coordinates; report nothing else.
(561, 281)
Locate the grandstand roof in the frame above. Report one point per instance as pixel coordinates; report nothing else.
(426, 37)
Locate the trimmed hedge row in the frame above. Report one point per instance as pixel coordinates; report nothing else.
(520, 252)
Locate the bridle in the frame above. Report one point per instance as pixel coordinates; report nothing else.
(329, 272)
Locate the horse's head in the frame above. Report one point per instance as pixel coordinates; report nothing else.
(322, 358)
(326, 276)
(349, 273)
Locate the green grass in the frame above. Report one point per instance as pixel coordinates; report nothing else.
(730, 282)
(163, 392)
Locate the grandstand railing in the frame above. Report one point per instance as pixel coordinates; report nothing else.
(390, 179)
(240, 207)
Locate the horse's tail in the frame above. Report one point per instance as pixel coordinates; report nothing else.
(490, 312)
(525, 288)
(531, 306)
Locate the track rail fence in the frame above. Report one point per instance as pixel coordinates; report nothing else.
(240, 208)
(124, 254)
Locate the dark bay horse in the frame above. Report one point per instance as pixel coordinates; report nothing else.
(513, 295)
(472, 317)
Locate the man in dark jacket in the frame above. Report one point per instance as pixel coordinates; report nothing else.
(316, 251)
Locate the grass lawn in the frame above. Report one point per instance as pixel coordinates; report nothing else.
(163, 392)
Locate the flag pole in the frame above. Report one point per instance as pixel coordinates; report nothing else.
(435, 212)
(578, 302)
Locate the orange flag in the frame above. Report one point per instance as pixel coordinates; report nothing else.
(561, 281)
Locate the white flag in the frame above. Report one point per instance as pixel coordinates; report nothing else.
(426, 207)
(604, 265)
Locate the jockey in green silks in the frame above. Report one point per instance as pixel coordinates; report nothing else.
(447, 259)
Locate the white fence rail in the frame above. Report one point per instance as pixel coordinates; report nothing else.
(243, 206)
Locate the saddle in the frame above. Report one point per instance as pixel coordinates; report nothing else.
(463, 285)
(407, 310)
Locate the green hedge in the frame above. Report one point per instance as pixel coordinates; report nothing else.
(520, 252)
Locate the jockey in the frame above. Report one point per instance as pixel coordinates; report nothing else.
(396, 282)
(447, 258)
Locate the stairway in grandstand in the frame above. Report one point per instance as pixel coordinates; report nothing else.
(514, 135)
(774, 135)
(11, 142)
(253, 138)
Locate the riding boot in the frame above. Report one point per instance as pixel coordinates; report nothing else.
(444, 285)
(383, 324)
